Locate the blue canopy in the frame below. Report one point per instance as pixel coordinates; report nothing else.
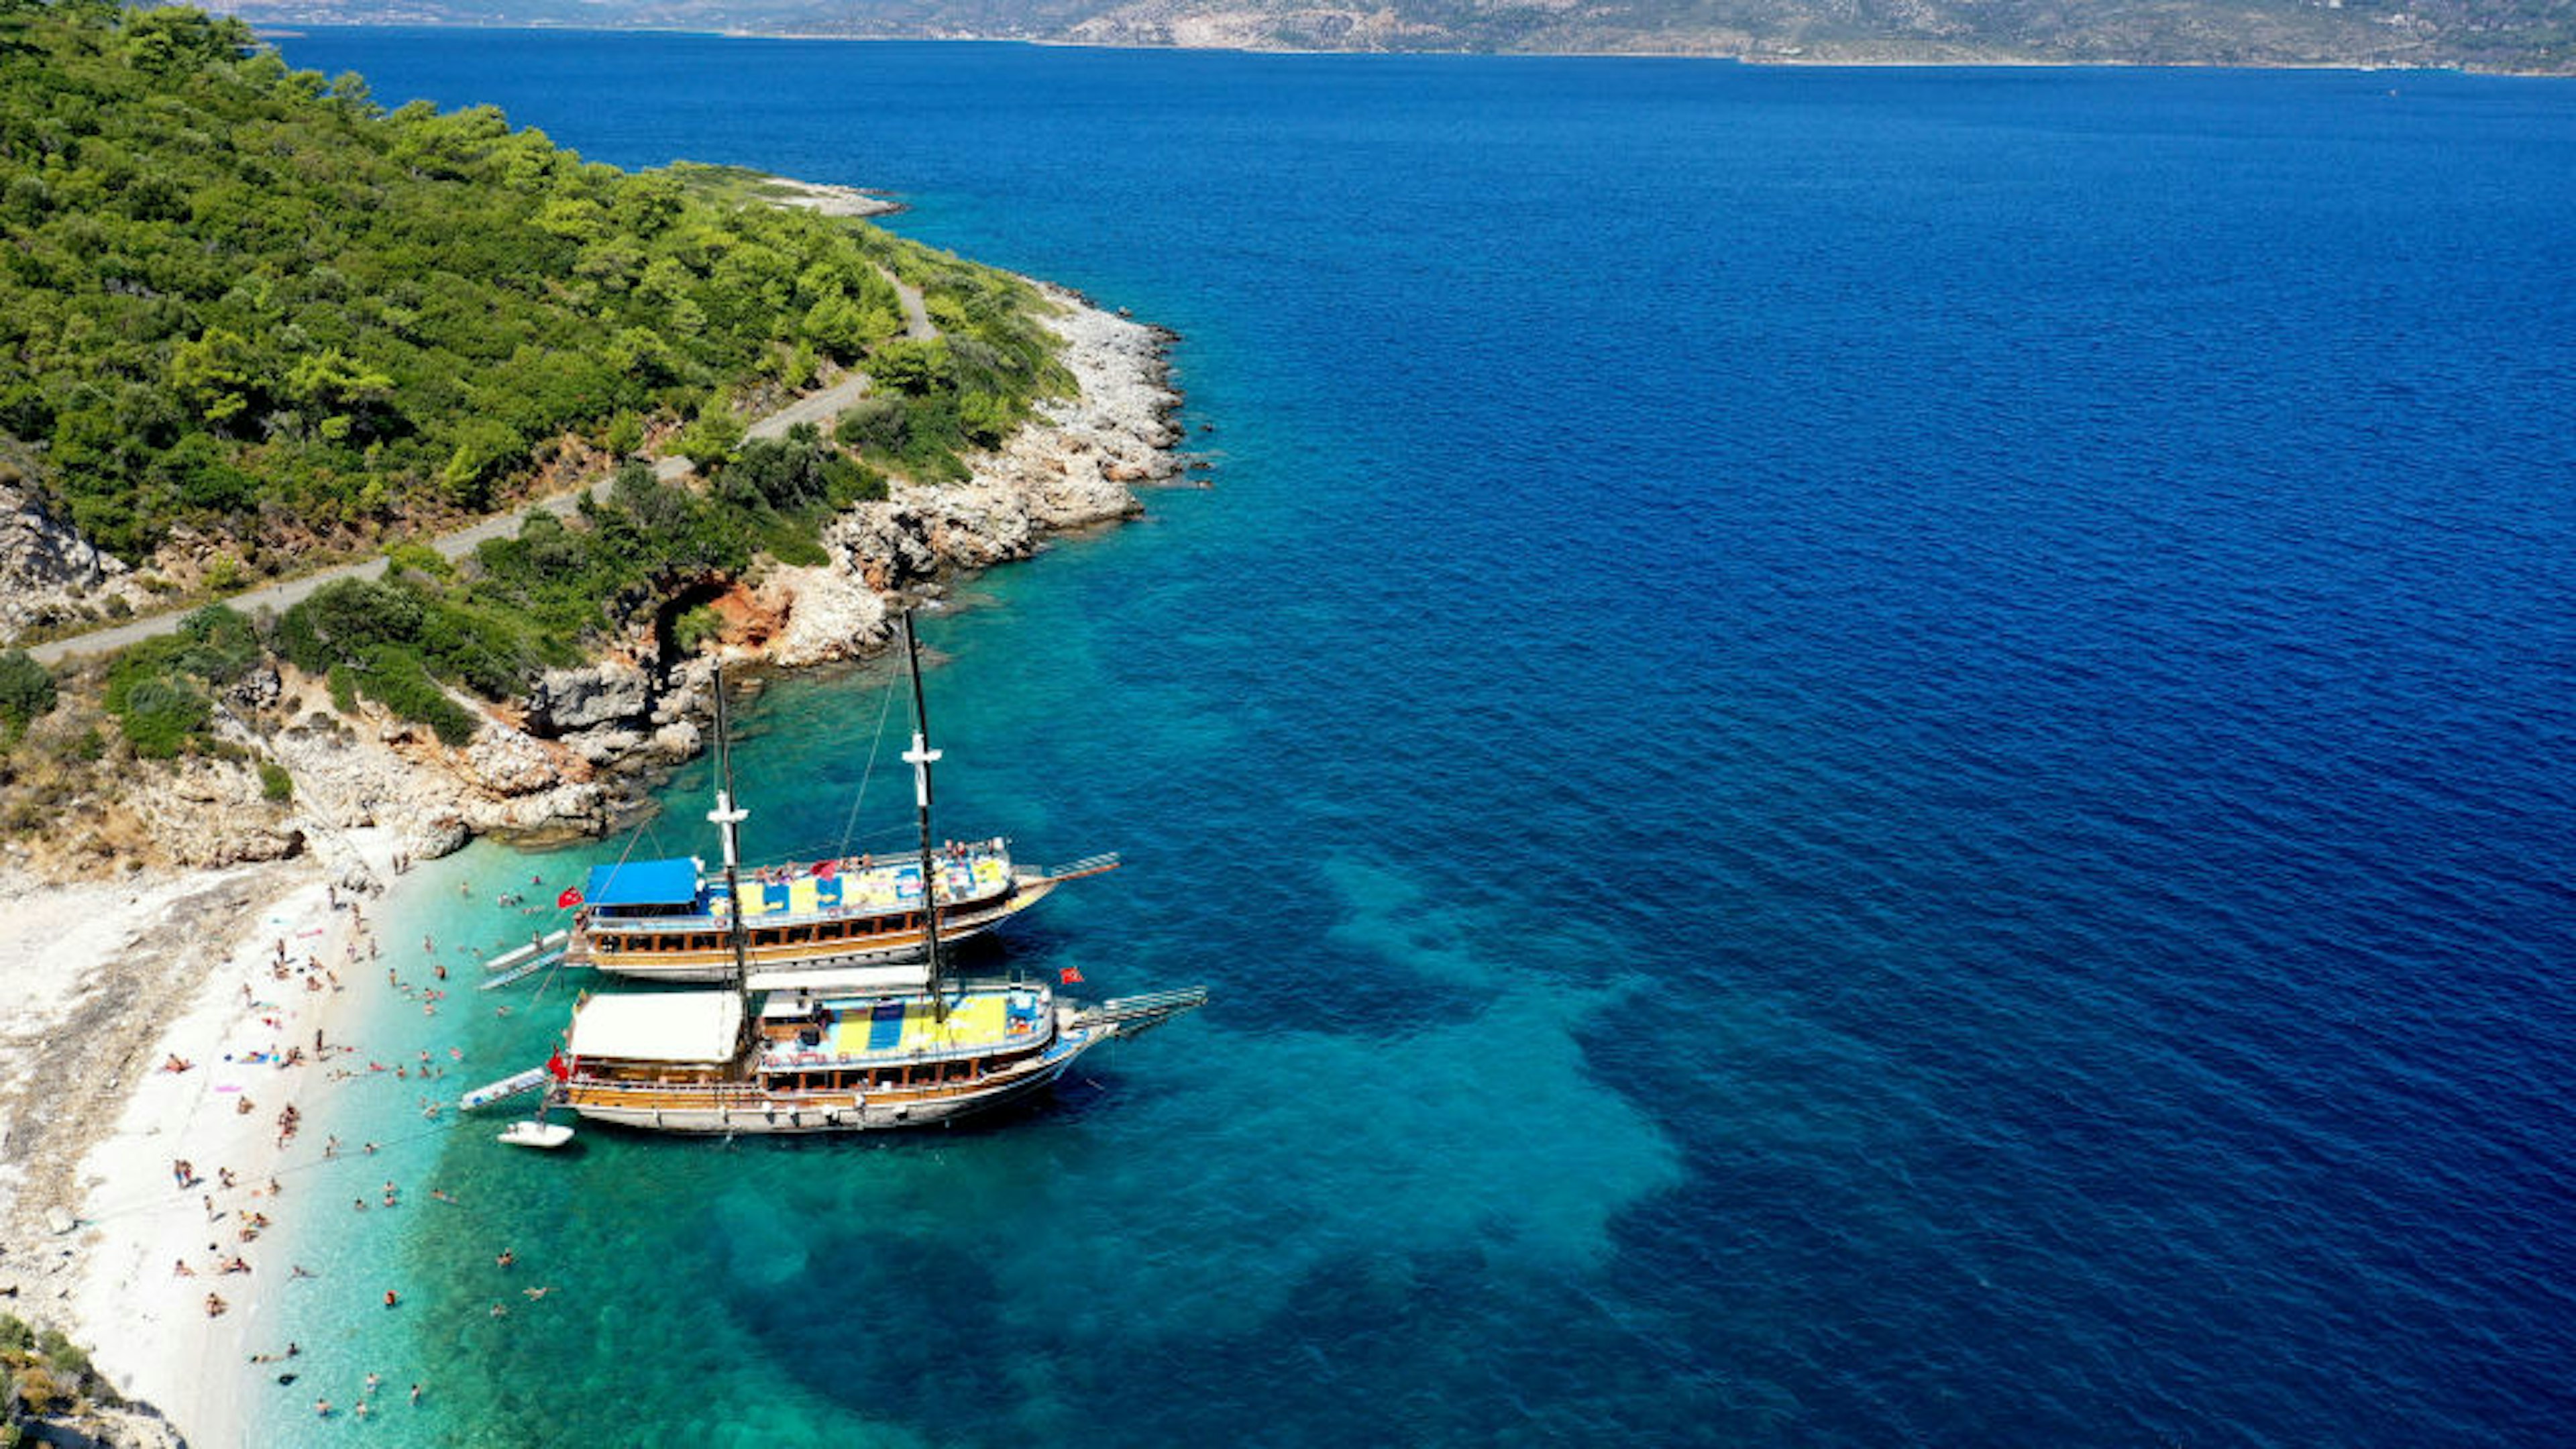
(643, 883)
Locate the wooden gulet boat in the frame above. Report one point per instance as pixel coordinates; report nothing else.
(673, 920)
(855, 1048)
(666, 920)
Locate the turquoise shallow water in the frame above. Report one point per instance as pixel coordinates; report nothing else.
(1860, 758)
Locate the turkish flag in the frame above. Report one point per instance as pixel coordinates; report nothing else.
(826, 869)
(1071, 976)
(570, 898)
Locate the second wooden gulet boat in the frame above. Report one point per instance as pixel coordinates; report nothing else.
(674, 920)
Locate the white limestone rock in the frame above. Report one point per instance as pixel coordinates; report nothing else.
(826, 612)
(610, 692)
(49, 572)
(506, 762)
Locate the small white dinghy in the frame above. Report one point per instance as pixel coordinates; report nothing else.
(545, 1135)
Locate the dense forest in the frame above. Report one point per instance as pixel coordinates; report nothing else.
(246, 299)
(2507, 35)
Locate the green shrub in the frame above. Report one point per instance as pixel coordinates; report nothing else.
(345, 621)
(65, 1355)
(419, 558)
(217, 644)
(987, 419)
(696, 627)
(791, 474)
(157, 689)
(710, 441)
(26, 689)
(275, 785)
(872, 422)
(396, 678)
(161, 714)
(915, 367)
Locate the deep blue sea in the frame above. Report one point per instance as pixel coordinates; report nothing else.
(1860, 758)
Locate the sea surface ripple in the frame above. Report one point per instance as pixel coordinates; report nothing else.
(1861, 758)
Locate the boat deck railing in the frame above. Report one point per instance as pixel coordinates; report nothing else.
(753, 1095)
(1136, 1015)
(1088, 865)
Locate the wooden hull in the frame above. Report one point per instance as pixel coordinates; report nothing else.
(716, 964)
(730, 1108)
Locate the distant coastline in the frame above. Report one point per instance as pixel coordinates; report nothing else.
(2410, 51)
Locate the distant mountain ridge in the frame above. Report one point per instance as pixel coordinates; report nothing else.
(2531, 36)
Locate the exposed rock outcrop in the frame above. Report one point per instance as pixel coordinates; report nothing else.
(566, 701)
(52, 573)
(437, 796)
(209, 813)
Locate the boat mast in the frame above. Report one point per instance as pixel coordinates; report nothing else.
(725, 817)
(920, 757)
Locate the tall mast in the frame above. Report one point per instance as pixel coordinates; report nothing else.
(725, 817)
(920, 757)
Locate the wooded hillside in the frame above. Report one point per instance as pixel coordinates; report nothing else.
(247, 299)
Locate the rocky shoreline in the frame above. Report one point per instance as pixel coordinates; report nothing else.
(577, 755)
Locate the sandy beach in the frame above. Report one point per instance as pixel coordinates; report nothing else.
(113, 986)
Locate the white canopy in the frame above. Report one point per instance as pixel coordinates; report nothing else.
(679, 1026)
(911, 976)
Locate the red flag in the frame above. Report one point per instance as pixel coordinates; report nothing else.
(558, 1068)
(1071, 976)
(570, 898)
(826, 869)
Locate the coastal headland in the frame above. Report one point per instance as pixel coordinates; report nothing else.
(166, 1031)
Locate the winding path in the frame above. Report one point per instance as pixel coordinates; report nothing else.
(818, 408)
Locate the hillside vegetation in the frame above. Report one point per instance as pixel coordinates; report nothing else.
(245, 299)
(2509, 35)
(241, 303)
